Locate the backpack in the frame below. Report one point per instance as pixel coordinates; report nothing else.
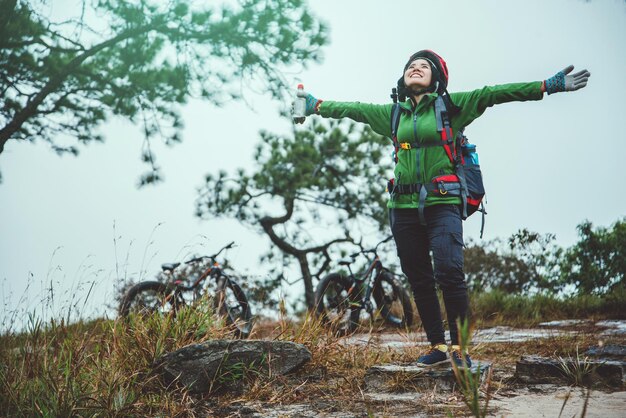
(467, 180)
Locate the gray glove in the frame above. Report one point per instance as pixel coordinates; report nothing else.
(561, 81)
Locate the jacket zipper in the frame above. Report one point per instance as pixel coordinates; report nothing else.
(417, 150)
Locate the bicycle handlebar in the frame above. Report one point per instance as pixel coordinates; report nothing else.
(383, 241)
(211, 257)
(371, 250)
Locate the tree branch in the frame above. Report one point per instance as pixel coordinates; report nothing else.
(268, 223)
(324, 247)
(55, 82)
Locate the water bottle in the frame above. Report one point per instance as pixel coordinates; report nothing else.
(299, 105)
(470, 153)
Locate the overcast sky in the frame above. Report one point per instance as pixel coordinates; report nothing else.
(548, 165)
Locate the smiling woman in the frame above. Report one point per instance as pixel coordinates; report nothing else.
(429, 195)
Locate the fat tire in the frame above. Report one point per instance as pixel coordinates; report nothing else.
(400, 293)
(242, 323)
(133, 293)
(337, 282)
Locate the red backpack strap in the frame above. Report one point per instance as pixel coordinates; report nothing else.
(443, 127)
(395, 122)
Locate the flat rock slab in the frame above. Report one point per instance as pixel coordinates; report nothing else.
(405, 378)
(561, 402)
(504, 334)
(499, 334)
(593, 372)
(611, 351)
(566, 323)
(224, 364)
(614, 326)
(611, 326)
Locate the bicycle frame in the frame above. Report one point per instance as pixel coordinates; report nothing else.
(341, 297)
(366, 277)
(214, 270)
(166, 295)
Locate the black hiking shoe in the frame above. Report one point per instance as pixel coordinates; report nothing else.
(436, 355)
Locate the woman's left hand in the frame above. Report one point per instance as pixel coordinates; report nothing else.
(312, 104)
(561, 81)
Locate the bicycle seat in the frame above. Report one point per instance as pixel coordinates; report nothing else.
(346, 261)
(169, 266)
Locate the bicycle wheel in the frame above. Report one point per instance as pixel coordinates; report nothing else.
(232, 303)
(337, 303)
(393, 300)
(146, 298)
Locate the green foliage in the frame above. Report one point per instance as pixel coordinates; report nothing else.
(597, 262)
(529, 262)
(335, 165)
(65, 79)
(329, 177)
(516, 309)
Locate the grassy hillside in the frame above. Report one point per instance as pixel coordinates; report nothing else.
(105, 367)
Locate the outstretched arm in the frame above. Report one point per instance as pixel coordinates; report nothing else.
(561, 81)
(376, 115)
(474, 103)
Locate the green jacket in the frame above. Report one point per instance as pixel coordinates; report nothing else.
(420, 126)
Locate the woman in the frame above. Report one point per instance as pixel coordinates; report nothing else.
(421, 221)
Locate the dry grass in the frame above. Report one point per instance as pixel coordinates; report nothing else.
(336, 370)
(105, 368)
(334, 379)
(98, 368)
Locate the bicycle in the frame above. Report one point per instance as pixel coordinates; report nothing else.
(229, 300)
(340, 300)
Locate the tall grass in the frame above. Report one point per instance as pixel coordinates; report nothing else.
(471, 381)
(98, 368)
(514, 309)
(108, 367)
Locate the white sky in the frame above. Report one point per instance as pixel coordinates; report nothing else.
(548, 165)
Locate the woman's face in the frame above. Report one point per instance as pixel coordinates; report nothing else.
(418, 75)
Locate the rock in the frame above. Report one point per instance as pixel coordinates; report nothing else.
(386, 397)
(223, 364)
(588, 372)
(405, 378)
(565, 323)
(611, 351)
(614, 326)
(503, 334)
(560, 402)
